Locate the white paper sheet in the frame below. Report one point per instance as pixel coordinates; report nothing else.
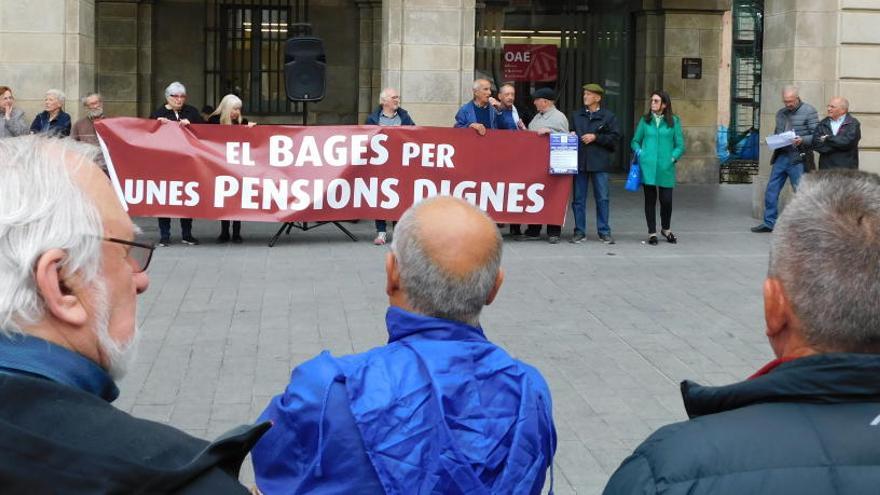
(776, 141)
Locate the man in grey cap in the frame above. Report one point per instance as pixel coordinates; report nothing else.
(548, 119)
(597, 130)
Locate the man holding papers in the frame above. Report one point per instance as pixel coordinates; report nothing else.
(787, 161)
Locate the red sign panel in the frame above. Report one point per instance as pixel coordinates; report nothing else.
(292, 173)
(530, 62)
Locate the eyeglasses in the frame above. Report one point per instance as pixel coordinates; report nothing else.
(178, 96)
(139, 254)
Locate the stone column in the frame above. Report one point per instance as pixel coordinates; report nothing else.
(428, 52)
(369, 60)
(691, 34)
(666, 31)
(826, 49)
(124, 56)
(47, 44)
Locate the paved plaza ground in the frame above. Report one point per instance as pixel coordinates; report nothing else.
(614, 329)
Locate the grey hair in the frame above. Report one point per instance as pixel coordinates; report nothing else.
(791, 89)
(826, 253)
(844, 101)
(58, 94)
(478, 81)
(429, 288)
(175, 87)
(86, 97)
(383, 95)
(42, 208)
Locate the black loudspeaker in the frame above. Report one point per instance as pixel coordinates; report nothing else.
(304, 69)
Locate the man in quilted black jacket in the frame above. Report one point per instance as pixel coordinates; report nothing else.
(809, 421)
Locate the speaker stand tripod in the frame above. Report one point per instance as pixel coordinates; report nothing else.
(286, 227)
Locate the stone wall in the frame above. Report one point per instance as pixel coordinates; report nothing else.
(663, 38)
(859, 73)
(124, 58)
(178, 50)
(47, 44)
(826, 48)
(428, 52)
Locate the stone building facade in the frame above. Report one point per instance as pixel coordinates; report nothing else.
(826, 48)
(129, 50)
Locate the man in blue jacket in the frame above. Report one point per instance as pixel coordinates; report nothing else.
(477, 113)
(809, 421)
(596, 128)
(439, 409)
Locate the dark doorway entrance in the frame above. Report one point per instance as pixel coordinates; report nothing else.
(593, 44)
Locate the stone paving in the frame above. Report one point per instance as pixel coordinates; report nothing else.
(613, 328)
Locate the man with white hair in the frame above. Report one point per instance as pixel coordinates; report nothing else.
(176, 110)
(53, 121)
(388, 113)
(837, 137)
(70, 274)
(478, 114)
(440, 408)
(809, 421)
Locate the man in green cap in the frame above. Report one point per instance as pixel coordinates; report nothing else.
(597, 130)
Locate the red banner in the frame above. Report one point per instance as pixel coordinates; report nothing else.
(293, 173)
(530, 62)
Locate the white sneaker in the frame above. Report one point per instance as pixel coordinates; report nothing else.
(381, 239)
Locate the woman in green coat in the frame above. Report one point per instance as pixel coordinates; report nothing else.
(659, 143)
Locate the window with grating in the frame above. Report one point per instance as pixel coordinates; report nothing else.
(246, 52)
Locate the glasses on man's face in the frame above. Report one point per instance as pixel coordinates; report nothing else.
(139, 255)
(177, 96)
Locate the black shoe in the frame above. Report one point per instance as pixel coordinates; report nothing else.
(606, 238)
(670, 237)
(223, 239)
(553, 239)
(762, 229)
(652, 239)
(528, 237)
(164, 242)
(190, 241)
(577, 238)
(236, 239)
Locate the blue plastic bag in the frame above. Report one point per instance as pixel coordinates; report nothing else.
(634, 178)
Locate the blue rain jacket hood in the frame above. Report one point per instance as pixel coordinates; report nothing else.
(439, 409)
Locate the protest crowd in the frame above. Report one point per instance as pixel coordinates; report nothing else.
(440, 408)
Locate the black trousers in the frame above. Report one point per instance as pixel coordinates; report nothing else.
(186, 225)
(651, 207)
(534, 230)
(224, 227)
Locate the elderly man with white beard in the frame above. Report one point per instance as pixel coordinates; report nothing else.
(70, 274)
(84, 128)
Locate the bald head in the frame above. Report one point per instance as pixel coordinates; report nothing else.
(837, 106)
(456, 237)
(446, 260)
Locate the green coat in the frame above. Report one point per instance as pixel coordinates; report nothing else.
(660, 148)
